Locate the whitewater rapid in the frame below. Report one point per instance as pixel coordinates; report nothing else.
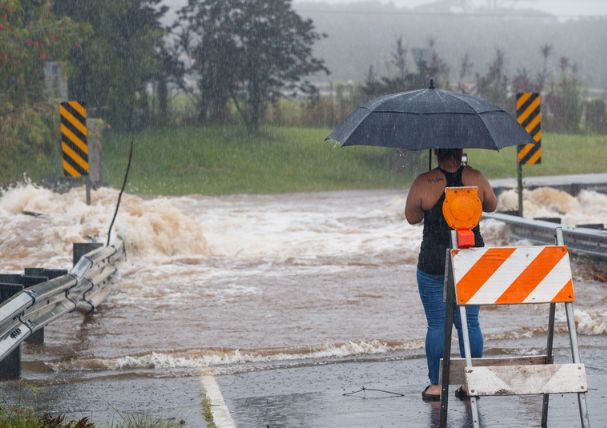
(216, 281)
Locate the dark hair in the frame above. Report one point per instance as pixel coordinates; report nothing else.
(446, 154)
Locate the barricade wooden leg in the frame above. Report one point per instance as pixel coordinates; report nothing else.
(575, 353)
(549, 360)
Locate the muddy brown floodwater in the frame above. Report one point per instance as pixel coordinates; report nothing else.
(244, 281)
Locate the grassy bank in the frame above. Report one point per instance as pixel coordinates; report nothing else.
(561, 154)
(37, 167)
(216, 160)
(26, 417)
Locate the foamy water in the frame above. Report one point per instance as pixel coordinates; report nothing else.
(215, 281)
(150, 227)
(586, 207)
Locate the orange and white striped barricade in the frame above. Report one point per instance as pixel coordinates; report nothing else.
(510, 276)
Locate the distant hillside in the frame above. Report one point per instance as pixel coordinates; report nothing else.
(362, 34)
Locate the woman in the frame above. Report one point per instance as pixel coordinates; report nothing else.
(425, 202)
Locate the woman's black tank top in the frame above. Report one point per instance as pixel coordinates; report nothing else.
(437, 234)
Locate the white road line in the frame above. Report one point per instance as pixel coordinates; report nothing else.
(221, 414)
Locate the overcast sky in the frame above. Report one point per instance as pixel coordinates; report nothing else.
(564, 8)
(556, 7)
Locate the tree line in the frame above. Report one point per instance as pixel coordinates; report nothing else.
(565, 107)
(227, 61)
(226, 56)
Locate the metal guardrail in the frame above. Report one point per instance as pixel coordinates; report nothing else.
(85, 286)
(580, 240)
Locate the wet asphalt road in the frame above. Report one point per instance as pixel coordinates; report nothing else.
(313, 396)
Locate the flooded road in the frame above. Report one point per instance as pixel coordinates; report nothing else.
(238, 283)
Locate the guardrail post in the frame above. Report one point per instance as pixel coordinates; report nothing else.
(10, 366)
(81, 248)
(36, 338)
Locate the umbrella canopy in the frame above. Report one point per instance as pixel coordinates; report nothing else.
(430, 119)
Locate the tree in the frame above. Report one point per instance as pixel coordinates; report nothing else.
(251, 52)
(564, 102)
(493, 86)
(542, 78)
(30, 34)
(464, 70)
(521, 82)
(120, 58)
(170, 71)
(206, 38)
(399, 59)
(428, 65)
(372, 87)
(596, 120)
(398, 77)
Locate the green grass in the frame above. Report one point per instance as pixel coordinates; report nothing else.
(207, 413)
(24, 417)
(224, 160)
(22, 414)
(18, 416)
(219, 160)
(561, 154)
(216, 160)
(37, 167)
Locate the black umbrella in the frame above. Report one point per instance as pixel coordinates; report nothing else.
(430, 119)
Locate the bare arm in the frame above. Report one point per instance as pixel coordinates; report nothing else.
(488, 196)
(485, 191)
(413, 208)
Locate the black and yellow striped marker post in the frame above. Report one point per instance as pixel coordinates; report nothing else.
(74, 141)
(529, 116)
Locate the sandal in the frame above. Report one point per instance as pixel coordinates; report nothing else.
(430, 397)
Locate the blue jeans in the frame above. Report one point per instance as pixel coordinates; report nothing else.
(431, 293)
